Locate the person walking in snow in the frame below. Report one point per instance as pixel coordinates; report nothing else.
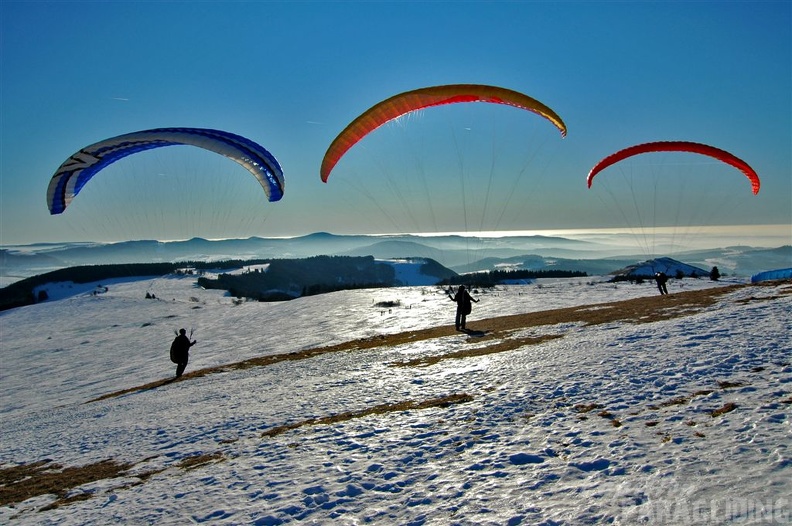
(464, 306)
(661, 278)
(180, 351)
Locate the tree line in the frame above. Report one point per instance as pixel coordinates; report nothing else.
(285, 279)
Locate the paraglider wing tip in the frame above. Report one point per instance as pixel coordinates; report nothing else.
(324, 171)
(55, 207)
(590, 178)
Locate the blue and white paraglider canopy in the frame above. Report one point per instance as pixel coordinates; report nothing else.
(81, 166)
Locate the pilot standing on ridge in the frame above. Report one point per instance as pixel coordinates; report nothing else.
(180, 351)
(462, 299)
(661, 278)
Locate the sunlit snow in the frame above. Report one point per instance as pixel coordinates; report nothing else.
(523, 451)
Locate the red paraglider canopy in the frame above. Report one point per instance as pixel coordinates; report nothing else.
(678, 146)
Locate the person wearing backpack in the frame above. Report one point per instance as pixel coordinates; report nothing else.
(464, 306)
(661, 279)
(180, 351)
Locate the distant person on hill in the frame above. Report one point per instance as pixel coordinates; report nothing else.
(180, 351)
(464, 306)
(661, 278)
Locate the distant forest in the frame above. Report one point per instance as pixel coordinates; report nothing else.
(286, 279)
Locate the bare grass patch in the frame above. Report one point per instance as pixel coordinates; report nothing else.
(406, 405)
(195, 461)
(502, 346)
(727, 408)
(19, 483)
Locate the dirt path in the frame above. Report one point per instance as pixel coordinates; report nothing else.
(637, 310)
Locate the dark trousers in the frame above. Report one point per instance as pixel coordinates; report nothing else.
(460, 319)
(180, 367)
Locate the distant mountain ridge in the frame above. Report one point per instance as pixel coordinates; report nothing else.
(459, 253)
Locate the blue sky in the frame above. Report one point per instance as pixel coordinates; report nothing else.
(291, 75)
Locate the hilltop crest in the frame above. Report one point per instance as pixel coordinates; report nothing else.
(671, 267)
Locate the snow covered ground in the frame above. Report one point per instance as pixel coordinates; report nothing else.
(609, 423)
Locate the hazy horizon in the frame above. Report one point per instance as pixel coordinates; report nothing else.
(751, 235)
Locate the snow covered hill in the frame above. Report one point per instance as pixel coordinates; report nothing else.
(669, 266)
(680, 420)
